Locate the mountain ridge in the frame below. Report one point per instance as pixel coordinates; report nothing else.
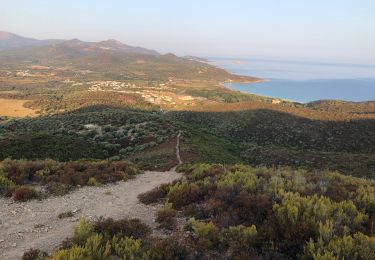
(11, 41)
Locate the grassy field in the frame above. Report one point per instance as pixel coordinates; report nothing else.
(15, 108)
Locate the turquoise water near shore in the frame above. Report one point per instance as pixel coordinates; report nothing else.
(303, 81)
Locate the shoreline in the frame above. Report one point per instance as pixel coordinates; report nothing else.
(263, 96)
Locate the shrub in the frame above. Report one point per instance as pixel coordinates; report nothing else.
(200, 171)
(154, 195)
(128, 248)
(358, 246)
(96, 248)
(25, 193)
(6, 185)
(58, 189)
(304, 218)
(248, 180)
(183, 194)
(93, 182)
(34, 254)
(239, 239)
(169, 248)
(121, 228)
(166, 217)
(202, 229)
(82, 232)
(60, 177)
(67, 214)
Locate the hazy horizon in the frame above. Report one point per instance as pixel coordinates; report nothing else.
(327, 31)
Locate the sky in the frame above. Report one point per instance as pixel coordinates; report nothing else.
(317, 30)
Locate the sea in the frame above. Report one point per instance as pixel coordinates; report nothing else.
(303, 81)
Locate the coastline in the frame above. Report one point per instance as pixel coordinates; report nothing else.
(300, 87)
(271, 99)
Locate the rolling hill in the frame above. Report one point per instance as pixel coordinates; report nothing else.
(10, 41)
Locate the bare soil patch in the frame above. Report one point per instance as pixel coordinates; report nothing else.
(15, 108)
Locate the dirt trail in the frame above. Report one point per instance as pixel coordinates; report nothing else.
(35, 224)
(178, 148)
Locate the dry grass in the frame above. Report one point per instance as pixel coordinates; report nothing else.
(15, 108)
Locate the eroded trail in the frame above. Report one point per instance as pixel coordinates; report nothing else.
(35, 224)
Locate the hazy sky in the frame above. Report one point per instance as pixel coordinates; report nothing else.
(326, 30)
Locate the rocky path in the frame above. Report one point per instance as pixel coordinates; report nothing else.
(35, 224)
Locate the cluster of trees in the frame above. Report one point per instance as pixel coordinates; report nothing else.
(17, 177)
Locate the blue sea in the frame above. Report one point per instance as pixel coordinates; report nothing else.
(303, 81)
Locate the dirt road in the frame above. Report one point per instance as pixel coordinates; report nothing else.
(35, 224)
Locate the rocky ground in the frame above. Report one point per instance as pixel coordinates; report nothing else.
(35, 224)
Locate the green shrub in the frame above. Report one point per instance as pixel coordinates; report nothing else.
(128, 248)
(313, 211)
(82, 232)
(6, 185)
(358, 246)
(200, 171)
(93, 182)
(248, 180)
(202, 229)
(239, 239)
(96, 248)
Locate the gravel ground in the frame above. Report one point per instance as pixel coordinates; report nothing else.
(35, 224)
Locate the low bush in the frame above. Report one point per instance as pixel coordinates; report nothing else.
(57, 189)
(67, 214)
(121, 228)
(82, 232)
(6, 185)
(240, 241)
(169, 248)
(34, 254)
(25, 193)
(183, 193)
(166, 217)
(93, 182)
(154, 195)
(60, 178)
(105, 239)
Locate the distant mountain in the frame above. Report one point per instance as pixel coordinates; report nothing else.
(116, 45)
(108, 60)
(91, 47)
(9, 41)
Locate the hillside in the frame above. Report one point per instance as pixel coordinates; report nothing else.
(71, 74)
(9, 41)
(83, 124)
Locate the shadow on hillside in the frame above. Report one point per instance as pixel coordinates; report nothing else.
(263, 136)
